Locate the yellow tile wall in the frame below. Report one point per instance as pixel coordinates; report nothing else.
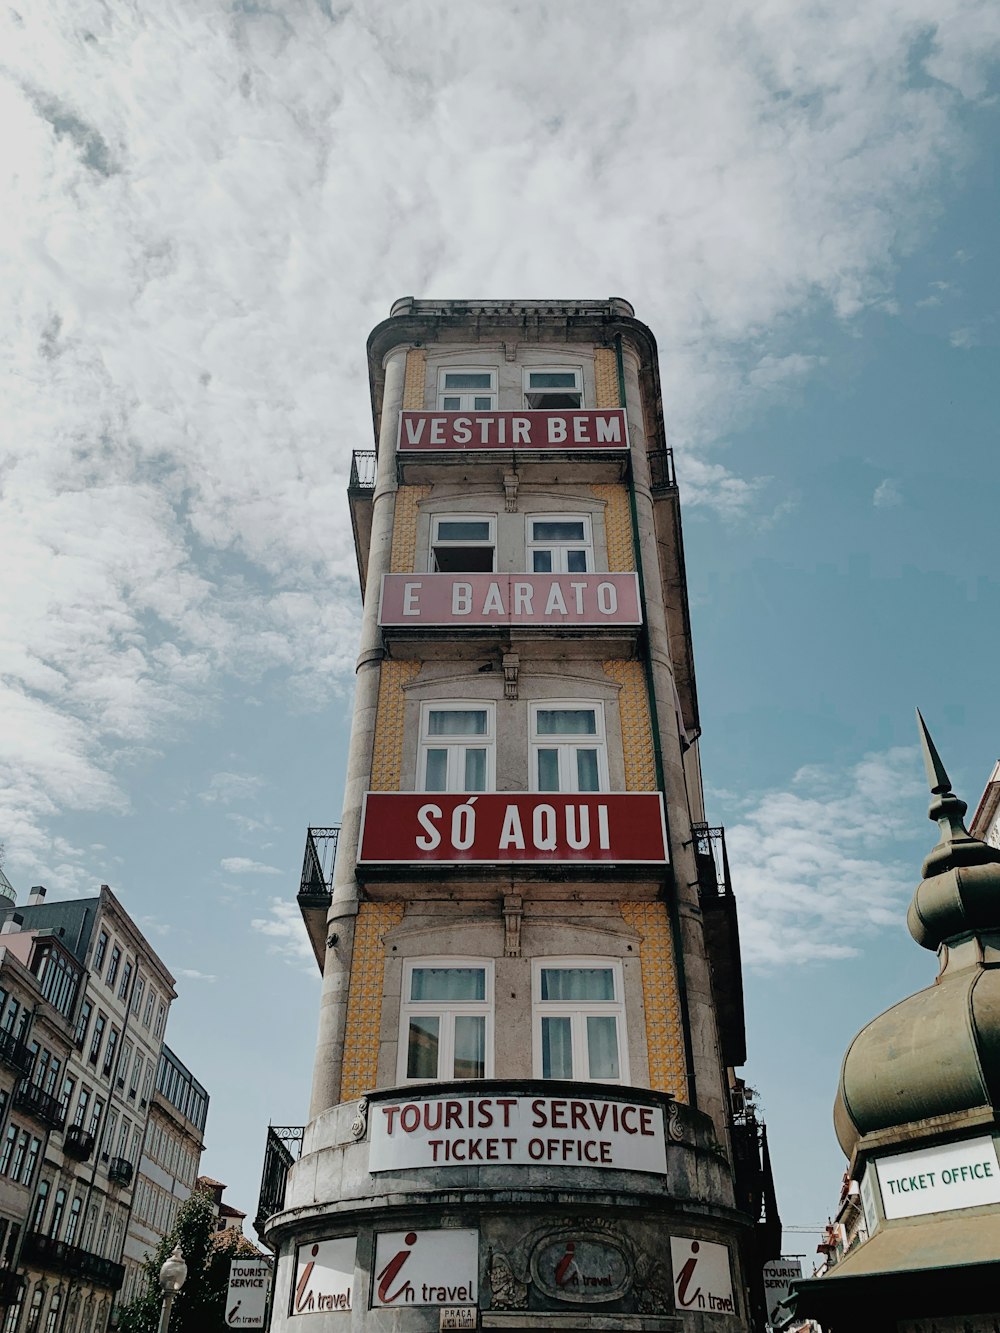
(387, 751)
(618, 526)
(664, 1033)
(637, 728)
(606, 377)
(364, 1000)
(404, 527)
(414, 379)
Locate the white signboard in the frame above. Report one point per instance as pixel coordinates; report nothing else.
(779, 1274)
(324, 1276)
(702, 1277)
(868, 1196)
(246, 1303)
(519, 1131)
(939, 1179)
(458, 1316)
(426, 1268)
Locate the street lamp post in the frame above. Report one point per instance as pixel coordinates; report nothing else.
(172, 1277)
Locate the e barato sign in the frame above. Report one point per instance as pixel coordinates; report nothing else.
(577, 428)
(470, 601)
(516, 1131)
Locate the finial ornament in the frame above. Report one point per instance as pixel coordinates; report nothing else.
(937, 779)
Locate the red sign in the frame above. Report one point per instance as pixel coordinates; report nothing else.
(495, 827)
(510, 599)
(571, 428)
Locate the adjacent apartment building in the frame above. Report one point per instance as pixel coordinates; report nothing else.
(523, 1095)
(85, 1005)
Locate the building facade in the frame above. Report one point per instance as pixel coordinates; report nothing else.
(168, 1167)
(112, 995)
(521, 1112)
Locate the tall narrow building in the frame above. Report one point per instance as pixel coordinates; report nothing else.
(532, 1002)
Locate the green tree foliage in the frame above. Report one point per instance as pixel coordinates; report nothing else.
(200, 1306)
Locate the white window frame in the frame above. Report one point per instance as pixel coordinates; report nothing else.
(456, 746)
(568, 745)
(446, 1011)
(529, 392)
(559, 549)
(578, 1011)
(467, 397)
(436, 541)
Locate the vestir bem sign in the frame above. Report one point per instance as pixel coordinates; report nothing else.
(702, 1277)
(497, 827)
(516, 1131)
(465, 600)
(324, 1276)
(939, 1179)
(572, 428)
(426, 1268)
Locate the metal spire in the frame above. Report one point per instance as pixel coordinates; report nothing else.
(937, 779)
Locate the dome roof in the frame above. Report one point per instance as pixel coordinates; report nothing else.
(936, 1053)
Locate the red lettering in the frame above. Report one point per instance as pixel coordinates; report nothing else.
(557, 1115)
(627, 1111)
(538, 1108)
(605, 1151)
(485, 1115)
(578, 1115)
(536, 1149)
(390, 1114)
(492, 1150)
(452, 1114)
(646, 1121)
(411, 1114)
(428, 1107)
(600, 1114)
(506, 1103)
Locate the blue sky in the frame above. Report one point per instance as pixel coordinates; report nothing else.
(205, 208)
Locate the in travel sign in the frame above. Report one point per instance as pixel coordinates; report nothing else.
(516, 1131)
(576, 428)
(474, 600)
(492, 828)
(940, 1179)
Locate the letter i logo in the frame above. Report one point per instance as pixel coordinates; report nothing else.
(684, 1278)
(390, 1272)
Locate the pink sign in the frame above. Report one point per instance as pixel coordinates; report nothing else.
(571, 428)
(495, 827)
(510, 599)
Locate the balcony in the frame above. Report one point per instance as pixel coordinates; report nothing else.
(281, 1151)
(316, 885)
(41, 1105)
(120, 1171)
(16, 1055)
(360, 494)
(55, 1256)
(662, 478)
(11, 1285)
(78, 1142)
(722, 939)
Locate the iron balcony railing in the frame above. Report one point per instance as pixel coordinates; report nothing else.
(43, 1106)
(78, 1142)
(318, 862)
(10, 1287)
(363, 462)
(55, 1256)
(713, 863)
(661, 471)
(281, 1152)
(120, 1171)
(16, 1054)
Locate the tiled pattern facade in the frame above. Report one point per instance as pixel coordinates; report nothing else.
(664, 1033)
(618, 526)
(413, 381)
(404, 527)
(364, 1002)
(637, 731)
(606, 377)
(387, 754)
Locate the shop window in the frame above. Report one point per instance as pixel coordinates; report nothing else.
(553, 387)
(579, 1020)
(568, 750)
(467, 389)
(463, 543)
(456, 747)
(446, 1019)
(560, 544)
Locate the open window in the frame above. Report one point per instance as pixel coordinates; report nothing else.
(456, 747)
(553, 386)
(579, 1020)
(568, 747)
(446, 1019)
(560, 544)
(463, 543)
(467, 389)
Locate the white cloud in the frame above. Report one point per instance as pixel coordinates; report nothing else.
(242, 865)
(963, 338)
(206, 208)
(284, 927)
(227, 788)
(192, 974)
(887, 494)
(815, 869)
